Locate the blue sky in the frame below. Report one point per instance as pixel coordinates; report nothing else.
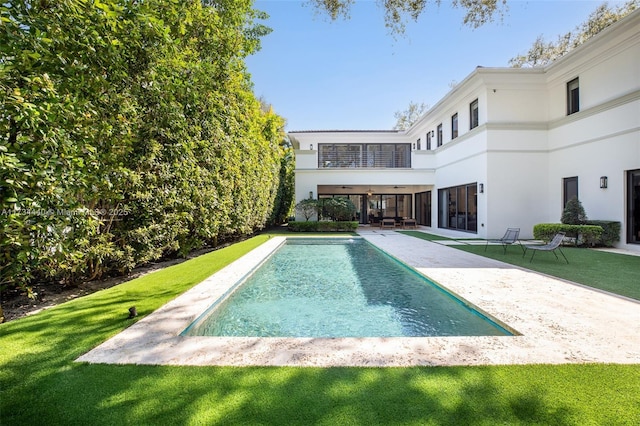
(322, 75)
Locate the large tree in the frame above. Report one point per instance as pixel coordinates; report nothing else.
(543, 52)
(398, 12)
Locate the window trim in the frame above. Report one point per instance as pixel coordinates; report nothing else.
(454, 126)
(451, 215)
(473, 117)
(565, 192)
(573, 96)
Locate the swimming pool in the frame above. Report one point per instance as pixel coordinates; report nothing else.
(339, 288)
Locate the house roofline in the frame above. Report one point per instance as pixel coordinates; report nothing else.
(345, 131)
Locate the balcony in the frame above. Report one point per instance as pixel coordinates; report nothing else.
(370, 156)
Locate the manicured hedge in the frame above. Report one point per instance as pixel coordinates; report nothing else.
(323, 226)
(610, 231)
(130, 133)
(594, 232)
(585, 234)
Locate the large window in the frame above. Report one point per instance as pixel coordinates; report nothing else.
(393, 206)
(439, 131)
(364, 155)
(573, 96)
(473, 114)
(569, 189)
(454, 126)
(457, 208)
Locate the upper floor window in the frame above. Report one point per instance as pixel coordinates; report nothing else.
(429, 140)
(454, 126)
(569, 190)
(418, 144)
(439, 134)
(573, 96)
(364, 155)
(473, 114)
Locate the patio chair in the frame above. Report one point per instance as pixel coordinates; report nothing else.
(510, 237)
(552, 246)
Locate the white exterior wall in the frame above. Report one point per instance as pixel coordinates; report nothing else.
(525, 144)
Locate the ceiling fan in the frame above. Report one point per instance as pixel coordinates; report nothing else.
(344, 187)
(396, 187)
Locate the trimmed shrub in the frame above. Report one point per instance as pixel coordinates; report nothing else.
(574, 213)
(303, 226)
(587, 234)
(323, 226)
(611, 231)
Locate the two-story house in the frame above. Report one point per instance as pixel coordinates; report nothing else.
(506, 147)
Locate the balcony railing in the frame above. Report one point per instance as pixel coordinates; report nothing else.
(364, 156)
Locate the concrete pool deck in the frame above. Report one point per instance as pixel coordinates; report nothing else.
(559, 322)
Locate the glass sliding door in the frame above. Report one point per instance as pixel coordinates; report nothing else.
(444, 199)
(357, 201)
(403, 206)
(423, 208)
(389, 206)
(457, 208)
(472, 208)
(633, 203)
(374, 208)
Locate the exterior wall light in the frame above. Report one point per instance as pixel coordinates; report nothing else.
(310, 194)
(481, 188)
(604, 182)
(311, 147)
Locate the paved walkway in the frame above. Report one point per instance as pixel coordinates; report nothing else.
(558, 322)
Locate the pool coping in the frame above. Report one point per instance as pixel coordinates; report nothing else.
(559, 322)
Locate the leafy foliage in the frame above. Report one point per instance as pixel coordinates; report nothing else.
(398, 12)
(128, 133)
(338, 208)
(583, 234)
(542, 52)
(406, 118)
(573, 213)
(307, 208)
(610, 231)
(323, 226)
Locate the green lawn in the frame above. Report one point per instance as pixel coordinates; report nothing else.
(41, 384)
(612, 272)
(425, 236)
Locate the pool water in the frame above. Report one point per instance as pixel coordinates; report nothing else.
(339, 288)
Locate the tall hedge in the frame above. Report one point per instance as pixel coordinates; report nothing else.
(129, 132)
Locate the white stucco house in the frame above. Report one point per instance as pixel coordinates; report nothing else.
(506, 147)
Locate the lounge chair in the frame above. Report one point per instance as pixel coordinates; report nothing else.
(552, 246)
(510, 237)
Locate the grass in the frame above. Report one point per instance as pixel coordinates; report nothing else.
(616, 273)
(41, 383)
(425, 236)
